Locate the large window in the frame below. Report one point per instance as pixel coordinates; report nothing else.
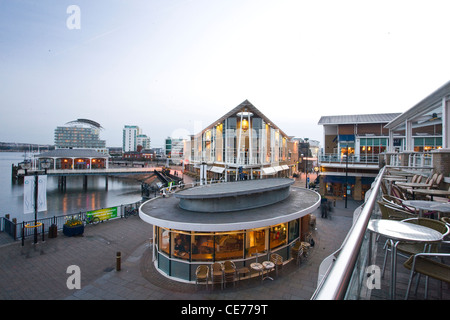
(278, 235)
(229, 246)
(164, 240)
(202, 247)
(181, 245)
(256, 242)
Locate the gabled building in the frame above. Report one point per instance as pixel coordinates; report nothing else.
(242, 144)
(351, 153)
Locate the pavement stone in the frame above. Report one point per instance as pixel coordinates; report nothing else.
(39, 271)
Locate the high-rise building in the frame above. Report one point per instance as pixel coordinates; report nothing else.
(130, 134)
(80, 134)
(143, 141)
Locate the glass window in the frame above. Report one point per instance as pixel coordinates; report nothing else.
(278, 236)
(202, 247)
(229, 246)
(164, 240)
(256, 242)
(293, 230)
(181, 245)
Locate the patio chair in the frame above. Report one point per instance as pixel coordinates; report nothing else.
(217, 274)
(229, 272)
(297, 252)
(391, 212)
(277, 261)
(407, 249)
(438, 180)
(202, 275)
(423, 263)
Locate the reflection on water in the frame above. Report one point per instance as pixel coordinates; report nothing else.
(73, 200)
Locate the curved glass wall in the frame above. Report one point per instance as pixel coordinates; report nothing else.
(180, 252)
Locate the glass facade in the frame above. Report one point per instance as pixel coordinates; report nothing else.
(180, 252)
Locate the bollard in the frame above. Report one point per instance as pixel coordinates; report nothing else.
(118, 258)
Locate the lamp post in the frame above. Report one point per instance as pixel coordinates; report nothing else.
(346, 177)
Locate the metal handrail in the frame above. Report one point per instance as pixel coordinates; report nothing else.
(334, 286)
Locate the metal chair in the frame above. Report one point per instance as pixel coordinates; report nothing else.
(277, 261)
(202, 275)
(408, 249)
(229, 272)
(423, 263)
(217, 274)
(297, 252)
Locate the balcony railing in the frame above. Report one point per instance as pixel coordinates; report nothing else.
(344, 272)
(352, 159)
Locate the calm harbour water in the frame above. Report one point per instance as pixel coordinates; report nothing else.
(73, 200)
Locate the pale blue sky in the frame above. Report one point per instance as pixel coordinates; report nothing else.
(174, 67)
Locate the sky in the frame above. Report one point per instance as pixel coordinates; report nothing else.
(172, 67)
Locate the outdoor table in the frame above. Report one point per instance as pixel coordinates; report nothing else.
(268, 265)
(398, 231)
(412, 185)
(259, 268)
(433, 192)
(428, 206)
(393, 179)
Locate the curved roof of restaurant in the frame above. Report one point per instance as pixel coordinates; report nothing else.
(72, 153)
(165, 212)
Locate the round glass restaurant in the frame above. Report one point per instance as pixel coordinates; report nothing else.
(239, 221)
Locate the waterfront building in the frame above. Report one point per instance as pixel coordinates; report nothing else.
(242, 144)
(351, 153)
(80, 134)
(143, 140)
(420, 136)
(174, 148)
(129, 141)
(72, 159)
(242, 221)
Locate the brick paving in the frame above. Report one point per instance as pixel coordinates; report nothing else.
(39, 271)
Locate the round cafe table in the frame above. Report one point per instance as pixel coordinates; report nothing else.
(424, 205)
(259, 268)
(398, 231)
(268, 265)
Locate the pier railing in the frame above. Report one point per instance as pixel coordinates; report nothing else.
(19, 230)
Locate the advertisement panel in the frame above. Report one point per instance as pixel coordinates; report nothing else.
(103, 214)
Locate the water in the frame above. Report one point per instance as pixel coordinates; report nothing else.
(73, 200)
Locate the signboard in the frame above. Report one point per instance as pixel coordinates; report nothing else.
(103, 214)
(29, 194)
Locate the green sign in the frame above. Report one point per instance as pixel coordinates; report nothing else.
(103, 214)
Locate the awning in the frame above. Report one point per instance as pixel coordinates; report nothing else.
(278, 168)
(217, 169)
(285, 167)
(268, 170)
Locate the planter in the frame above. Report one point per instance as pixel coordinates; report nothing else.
(73, 231)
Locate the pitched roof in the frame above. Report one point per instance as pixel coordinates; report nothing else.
(69, 153)
(358, 118)
(251, 108)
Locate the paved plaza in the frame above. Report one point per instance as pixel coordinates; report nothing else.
(39, 271)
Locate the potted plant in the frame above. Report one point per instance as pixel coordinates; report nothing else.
(73, 227)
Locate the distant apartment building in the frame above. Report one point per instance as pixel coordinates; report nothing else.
(133, 137)
(242, 144)
(143, 141)
(351, 153)
(174, 148)
(80, 134)
(129, 141)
